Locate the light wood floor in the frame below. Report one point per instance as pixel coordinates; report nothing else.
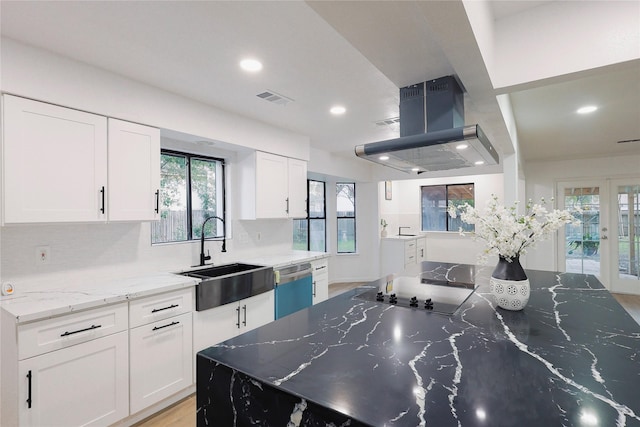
(183, 413)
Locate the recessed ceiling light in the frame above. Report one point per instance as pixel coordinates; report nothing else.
(586, 109)
(415, 170)
(479, 162)
(338, 109)
(383, 158)
(461, 146)
(252, 65)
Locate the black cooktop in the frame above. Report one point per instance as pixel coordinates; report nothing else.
(428, 291)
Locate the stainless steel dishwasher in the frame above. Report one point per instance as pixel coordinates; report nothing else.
(293, 289)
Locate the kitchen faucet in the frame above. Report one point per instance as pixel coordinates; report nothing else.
(400, 230)
(207, 257)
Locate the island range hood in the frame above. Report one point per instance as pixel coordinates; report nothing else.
(433, 136)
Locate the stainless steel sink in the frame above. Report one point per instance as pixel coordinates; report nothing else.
(227, 283)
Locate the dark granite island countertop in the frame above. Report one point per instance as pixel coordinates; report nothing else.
(570, 358)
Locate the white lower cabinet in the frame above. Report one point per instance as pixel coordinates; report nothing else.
(82, 385)
(161, 360)
(227, 321)
(402, 256)
(320, 275)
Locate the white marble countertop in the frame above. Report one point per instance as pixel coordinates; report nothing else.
(60, 296)
(404, 237)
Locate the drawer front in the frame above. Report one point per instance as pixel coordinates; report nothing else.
(158, 307)
(320, 268)
(53, 334)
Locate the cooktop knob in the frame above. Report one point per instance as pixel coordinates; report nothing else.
(428, 304)
(393, 299)
(379, 297)
(413, 302)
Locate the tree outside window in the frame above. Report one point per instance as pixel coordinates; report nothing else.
(346, 216)
(434, 202)
(191, 190)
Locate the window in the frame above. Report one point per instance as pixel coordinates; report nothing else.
(434, 201)
(191, 190)
(346, 213)
(309, 234)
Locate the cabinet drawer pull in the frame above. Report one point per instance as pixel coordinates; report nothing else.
(102, 196)
(155, 310)
(66, 334)
(321, 267)
(157, 201)
(29, 395)
(287, 205)
(155, 328)
(238, 322)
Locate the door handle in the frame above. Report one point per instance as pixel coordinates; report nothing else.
(29, 395)
(314, 288)
(244, 308)
(603, 237)
(102, 197)
(157, 201)
(238, 311)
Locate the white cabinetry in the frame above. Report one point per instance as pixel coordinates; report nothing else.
(227, 321)
(54, 163)
(134, 171)
(320, 275)
(65, 165)
(402, 255)
(272, 186)
(67, 371)
(161, 359)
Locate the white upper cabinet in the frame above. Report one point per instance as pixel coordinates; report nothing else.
(272, 186)
(65, 165)
(297, 184)
(134, 172)
(54, 163)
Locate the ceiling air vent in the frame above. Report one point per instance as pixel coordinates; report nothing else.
(391, 121)
(271, 96)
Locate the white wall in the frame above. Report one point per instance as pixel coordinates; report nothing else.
(404, 209)
(542, 180)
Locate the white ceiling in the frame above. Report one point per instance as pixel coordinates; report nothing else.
(329, 52)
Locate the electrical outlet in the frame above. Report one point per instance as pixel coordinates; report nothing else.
(43, 255)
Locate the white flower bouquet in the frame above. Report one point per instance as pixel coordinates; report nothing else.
(508, 234)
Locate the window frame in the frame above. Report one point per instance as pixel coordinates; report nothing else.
(189, 188)
(309, 218)
(338, 218)
(447, 201)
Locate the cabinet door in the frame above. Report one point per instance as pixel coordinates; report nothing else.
(257, 311)
(215, 325)
(86, 384)
(320, 280)
(161, 360)
(421, 249)
(134, 171)
(297, 188)
(55, 163)
(271, 186)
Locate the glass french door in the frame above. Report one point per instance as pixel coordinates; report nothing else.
(584, 248)
(625, 229)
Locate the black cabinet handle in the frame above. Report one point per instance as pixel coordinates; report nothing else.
(321, 267)
(244, 308)
(157, 201)
(155, 328)
(238, 322)
(81, 330)
(287, 205)
(102, 196)
(314, 288)
(29, 396)
(155, 310)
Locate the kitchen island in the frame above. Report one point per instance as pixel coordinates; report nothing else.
(570, 358)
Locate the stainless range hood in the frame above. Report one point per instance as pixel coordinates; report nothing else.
(432, 132)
